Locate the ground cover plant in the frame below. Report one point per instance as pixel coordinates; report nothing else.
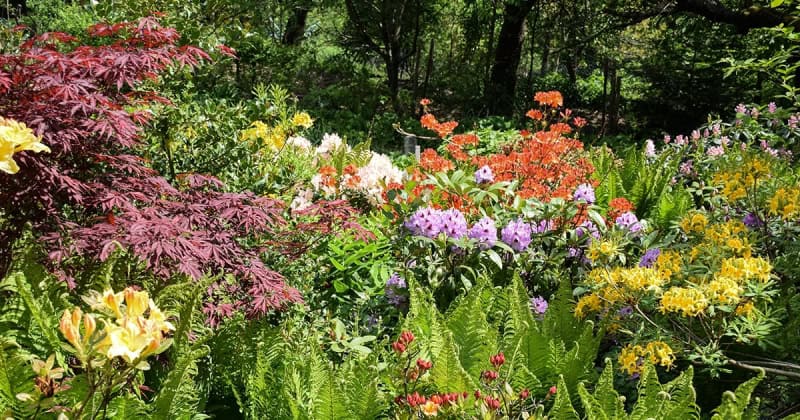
(193, 225)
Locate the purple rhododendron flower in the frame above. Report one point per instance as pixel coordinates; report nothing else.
(517, 234)
(543, 226)
(649, 258)
(425, 222)
(393, 290)
(752, 221)
(587, 227)
(539, 305)
(628, 221)
(484, 175)
(625, 311)
(454, 225)
(485, 232)
(584, 192)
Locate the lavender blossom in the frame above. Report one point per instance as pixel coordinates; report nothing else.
(485, 232)
(584, 192)
(454, 225)
(543, 226)
(628, 221)
(517, 234)
(539, 305)
(393, 290)
(772, 107)
(484, 175)
(425, 222)
(649, 258)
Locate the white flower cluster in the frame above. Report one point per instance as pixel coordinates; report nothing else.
(369, 180)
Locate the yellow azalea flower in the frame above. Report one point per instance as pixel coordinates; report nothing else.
(660, 353)
(745, 309)
(688, 301)
(694, 223)
(70, 326)
(158, 318)
(302, 119)
(629, 359)
(724, 290)
(586, 304)
(112, 301)
(746, 268)
(430, 409)
(16, 137)
(135, 302)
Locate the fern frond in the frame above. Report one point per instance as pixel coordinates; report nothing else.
(736, 405)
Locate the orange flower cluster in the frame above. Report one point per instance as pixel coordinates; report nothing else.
(534, 114)
(442, 129)
(546, 164)
(617, 207)
(431, 161)
(328, 175)
(457, 144)
(552, 98)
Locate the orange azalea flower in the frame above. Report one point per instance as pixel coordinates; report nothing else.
(552, 98)
(431, 161)
(424, 101)
(618, 206)
(327, 171)
(579, 122)
(465, 140)
(350, 169)
(442, 129)
(561, 128)
(534, 114)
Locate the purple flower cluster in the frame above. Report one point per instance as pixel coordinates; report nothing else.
(649, 258)
(393, 290)
(517, 234)
(539, 305)
(543, 226)
(485, 232)
(584, 192)
(425, 222)
(587, 227)
(484, 175)
(454, 225)
(752, 221)
(628, 221)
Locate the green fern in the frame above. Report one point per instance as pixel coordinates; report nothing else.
(447, 373)
(736, 405)
(327, 402)
(562, 406)
(16, 377)
(178, 395)
(126, 407)
(473, 336)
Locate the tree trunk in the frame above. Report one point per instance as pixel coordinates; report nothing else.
(393, 78)
(613, 105)
(295, 27)
(428, 71)
(545, 55)
(503, 81)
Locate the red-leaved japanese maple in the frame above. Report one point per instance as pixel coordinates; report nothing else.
(92, 193)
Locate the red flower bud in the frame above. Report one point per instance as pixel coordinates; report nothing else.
(437, 399)
(553, 390)
(399, 347)
(424, 364)
(406, 337)
(465, 395)
(415, 399)
(492, 403)
(497, 360)
(489, 375)
(477, 394)
(524, 394)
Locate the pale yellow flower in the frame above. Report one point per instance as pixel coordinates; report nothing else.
(14, 138)
(302, 119)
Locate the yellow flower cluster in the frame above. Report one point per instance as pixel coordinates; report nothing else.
(588, 304)
(747, 268)
(14, 138)
(602, 250)
(694, 222)
(632, 279)
(737, 181)
(724, 290)
(130, 335)
(271, 137)
(302, 119)
(688, 301)
(632, 358)
(722, 239)
(785, 203)
(668, 264)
